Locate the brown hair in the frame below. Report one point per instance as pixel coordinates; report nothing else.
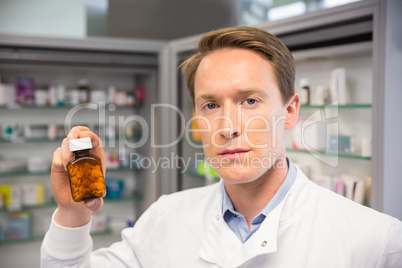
(251, 38)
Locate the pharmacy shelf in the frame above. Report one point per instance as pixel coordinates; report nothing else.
(28, 207)
(200, 176)
(21, 140)
(6, 242)
(29, 140)
(133, 198)
(25, 173)
(195, 174)
(122, 169)
(60, 107)
(34, 239)
(330, 154)
(331, 106)
(123, 64)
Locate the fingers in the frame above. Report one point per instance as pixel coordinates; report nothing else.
(79, 132)
(74, 132)
(66, 155)
(96, 141)
(94, 205)
(97, 148)
(57, 163)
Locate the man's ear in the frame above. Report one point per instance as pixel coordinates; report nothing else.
(292, 111)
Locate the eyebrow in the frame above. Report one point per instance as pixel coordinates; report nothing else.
(249, 91)
(240, 92)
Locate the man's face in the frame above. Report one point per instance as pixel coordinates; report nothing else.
(240, 114)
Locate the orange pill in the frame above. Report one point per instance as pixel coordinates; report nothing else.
(74, 180)
(92, 186)
(80, 173)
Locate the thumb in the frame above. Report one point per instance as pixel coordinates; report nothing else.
(94, 205)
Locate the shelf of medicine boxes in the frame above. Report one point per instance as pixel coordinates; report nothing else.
(29, 140)
(133, 198)
(39, 238)
(24, 173)
(47, 172)
(27, 107)
(136, 137)
(330, 154)
(334, 106)
(8, 242)
(195, 174)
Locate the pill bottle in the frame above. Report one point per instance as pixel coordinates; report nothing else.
(84, 91)
(305, 91)
(85, 172)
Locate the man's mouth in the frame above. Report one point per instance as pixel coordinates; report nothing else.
(233, 153)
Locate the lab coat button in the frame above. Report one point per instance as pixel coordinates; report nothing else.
(217, 217)
(263, 244)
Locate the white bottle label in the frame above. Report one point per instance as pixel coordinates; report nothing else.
(83, 95)
(303, 96)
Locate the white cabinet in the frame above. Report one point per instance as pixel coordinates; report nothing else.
(344, 159)
(124, 64)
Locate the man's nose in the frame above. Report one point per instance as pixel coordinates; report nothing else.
(230, 127)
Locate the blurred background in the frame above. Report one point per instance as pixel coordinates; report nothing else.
(113, 66)
(153, 19)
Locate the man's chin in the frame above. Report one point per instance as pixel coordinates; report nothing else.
(238, 177)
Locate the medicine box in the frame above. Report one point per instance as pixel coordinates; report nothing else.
(309, 135)
(12, 196)
(33, 194)
(114, 188)
(18, 225)
(341, 144)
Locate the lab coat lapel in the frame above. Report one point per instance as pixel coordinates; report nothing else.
(223, 248)
(263, 241)
(220, 242)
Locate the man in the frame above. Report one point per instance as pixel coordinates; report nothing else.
(263, 213)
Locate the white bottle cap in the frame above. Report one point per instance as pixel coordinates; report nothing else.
(83, 82)
(80, 144)
(304, 82)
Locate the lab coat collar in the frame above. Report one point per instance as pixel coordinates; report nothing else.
(222, 247)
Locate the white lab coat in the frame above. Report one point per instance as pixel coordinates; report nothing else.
(312, 227)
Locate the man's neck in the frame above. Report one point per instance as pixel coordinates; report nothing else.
(250, 198)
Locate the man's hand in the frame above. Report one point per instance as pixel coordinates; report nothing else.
(71, 213)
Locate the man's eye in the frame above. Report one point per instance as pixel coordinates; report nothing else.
(211, 106)
(251, 101)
